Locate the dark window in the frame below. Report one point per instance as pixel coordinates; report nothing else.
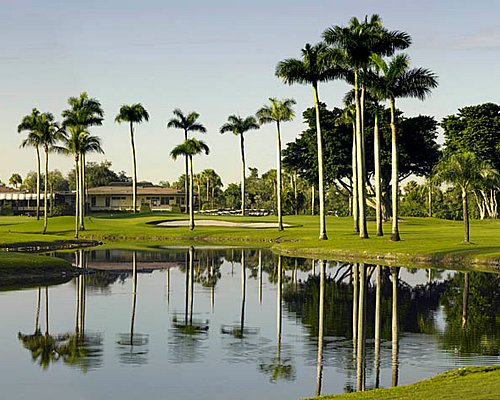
(163, 201)
(108, 201)
(93, 201)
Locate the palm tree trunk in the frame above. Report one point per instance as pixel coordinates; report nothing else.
(378, 191)
(134, 296)
(37, 314)
(278, 300)
(394, 174)
(355, 209)
(208, 189)
(260, 276)
(186, 288)
(191, 194)
(38, 174)
(465, 300)
(46, 310)
(186, 178)
(321, 188)
(312, 200)
(429, 197)
(76, 194)
(360, 359)
(45, 187)
(278, 177)
(378, 297)
(465, 212)
(395, 329)
(243, 168)
(82, 192)
(363, 233)
(319, 370)
(243, 292)
(191, 284)
(134, 174)
(355, 282)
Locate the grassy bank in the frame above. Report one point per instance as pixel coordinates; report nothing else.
(21, 270)
(472, 383)
(425, 241)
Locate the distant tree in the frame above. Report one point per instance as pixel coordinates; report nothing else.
(165, 184)
(465, 171)
(15, 180)
(232, 196)
(98, 174)
(133, 114)
(190, 148)
(277, 112)
(239, 126)
(187, 123)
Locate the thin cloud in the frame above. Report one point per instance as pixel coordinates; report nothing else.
(489, 40)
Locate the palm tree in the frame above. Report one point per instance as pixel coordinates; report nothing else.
(83, 113)
(278, 111)
(398, 81)
(213, 182)
(188, 123)
(238, 126)
(134, 113)
(314, 67)
(190, 148)
(354, 45)
(28, 123)
(75, 143)
(15, 180)
(49, 133)
(464, 170)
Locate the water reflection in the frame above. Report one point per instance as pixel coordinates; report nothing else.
(315, 326)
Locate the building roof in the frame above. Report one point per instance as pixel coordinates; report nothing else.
(5, 189)
(141, 191)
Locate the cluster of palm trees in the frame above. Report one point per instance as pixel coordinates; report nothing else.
(356, 53)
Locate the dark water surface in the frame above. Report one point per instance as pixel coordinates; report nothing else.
(212, 324)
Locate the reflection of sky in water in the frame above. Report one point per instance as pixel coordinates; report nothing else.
(167, 359)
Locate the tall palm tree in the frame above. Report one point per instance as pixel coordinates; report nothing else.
(133, 114)
(315, 66)
(398, 81)
(277, 112)
(190, 148)
(28, 123)
(238, 126)
(83, 113)
(49, 133)
(355, 44)
(465, 171)
(188, 123)
(77, 142)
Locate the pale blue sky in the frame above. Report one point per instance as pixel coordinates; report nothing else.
(218, 58)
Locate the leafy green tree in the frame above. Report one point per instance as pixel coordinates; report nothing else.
(99, 174)
(277, 112)
(399, 81)
(232, 196)
(133, 114)
(477, 129)
(28, 123)
(465, 171)
(190, 148)
(315, 66)
(239, 126)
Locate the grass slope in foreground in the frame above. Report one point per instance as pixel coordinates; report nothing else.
(427, 241)
(471, 383)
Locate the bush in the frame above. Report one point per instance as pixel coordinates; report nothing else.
(6, 210)
(145, 208)
(57, 211)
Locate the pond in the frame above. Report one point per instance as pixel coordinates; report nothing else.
(240, 323)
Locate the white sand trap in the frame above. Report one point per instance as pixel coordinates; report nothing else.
(213, 222)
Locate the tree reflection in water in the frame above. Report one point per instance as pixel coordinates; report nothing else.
(133, 347)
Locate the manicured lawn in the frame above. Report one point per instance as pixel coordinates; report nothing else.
(472, 383)
(425, 241)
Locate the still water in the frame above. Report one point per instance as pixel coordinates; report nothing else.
(232, 323)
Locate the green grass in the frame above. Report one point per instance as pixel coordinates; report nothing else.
(472, 383)
(425, 241)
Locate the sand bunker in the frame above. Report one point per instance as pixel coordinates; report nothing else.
(213, 222)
